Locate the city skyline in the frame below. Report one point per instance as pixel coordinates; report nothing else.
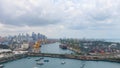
(59, 18)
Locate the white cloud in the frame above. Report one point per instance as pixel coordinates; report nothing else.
(53, 17)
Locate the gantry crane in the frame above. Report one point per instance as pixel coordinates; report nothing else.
(36, 47)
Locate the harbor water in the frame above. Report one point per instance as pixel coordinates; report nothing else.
(57, 62)
(54, 48)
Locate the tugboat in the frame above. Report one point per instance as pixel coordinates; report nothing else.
(63, 46)
(1, 66)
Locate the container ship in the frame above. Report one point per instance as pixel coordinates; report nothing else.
(63, 46)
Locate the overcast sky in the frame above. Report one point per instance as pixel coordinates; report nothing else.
(61, 18)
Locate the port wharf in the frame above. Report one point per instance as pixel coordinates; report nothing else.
(68, 56)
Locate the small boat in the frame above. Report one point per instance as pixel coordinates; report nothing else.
(46, 60)
(35, 67)
(42, 58)
(1, 66)
(39, 63)
(39, 59)
(63, 62)
(28, 57)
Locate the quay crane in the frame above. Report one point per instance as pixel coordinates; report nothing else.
(36, 47)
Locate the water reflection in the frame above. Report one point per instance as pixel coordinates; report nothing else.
(83, 64)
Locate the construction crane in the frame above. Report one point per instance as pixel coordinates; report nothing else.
(36, 47)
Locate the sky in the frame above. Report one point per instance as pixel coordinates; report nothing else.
(61, 18)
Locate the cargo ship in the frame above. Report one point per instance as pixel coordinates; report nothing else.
(63, 46)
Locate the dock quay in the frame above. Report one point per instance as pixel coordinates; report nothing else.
(67, 56)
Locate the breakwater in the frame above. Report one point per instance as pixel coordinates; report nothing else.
(12, 58)
(78, 57)
(68, 56)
